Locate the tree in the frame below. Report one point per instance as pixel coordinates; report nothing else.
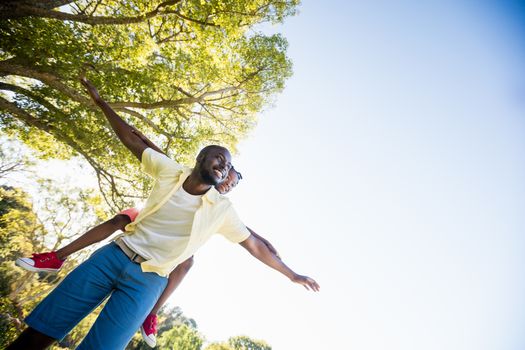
(240, 343)
(187, 73)
(22, 231)
(14, 211)
(218, 346)
(11, 160)
(181, 337)
(246, 343)
(28, 225)
(173, 316)
(169, 318)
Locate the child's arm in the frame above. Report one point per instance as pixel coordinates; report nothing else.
(96, 234)
(260, 251)
(174, 279)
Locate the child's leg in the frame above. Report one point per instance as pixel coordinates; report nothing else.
(149, 326)
(96, 234)
(174, 280)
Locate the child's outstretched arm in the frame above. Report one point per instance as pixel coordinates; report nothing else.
(260, 251)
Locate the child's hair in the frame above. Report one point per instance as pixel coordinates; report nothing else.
(239, 175)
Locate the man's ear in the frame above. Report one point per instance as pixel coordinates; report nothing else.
(200, 157)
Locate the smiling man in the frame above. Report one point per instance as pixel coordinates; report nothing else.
(181, 213)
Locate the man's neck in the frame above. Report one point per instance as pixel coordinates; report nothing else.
(194, 185)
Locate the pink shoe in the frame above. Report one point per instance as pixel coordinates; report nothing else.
(149, 330)
(48, 262)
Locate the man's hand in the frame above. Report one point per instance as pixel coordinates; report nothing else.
(91, 89)
(260, 251)
(307, 282)
(123, 130)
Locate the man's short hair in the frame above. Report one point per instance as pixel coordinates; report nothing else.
(209, 148)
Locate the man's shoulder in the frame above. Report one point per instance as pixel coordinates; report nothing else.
(150, 156)
(224, 199)
(227, 206)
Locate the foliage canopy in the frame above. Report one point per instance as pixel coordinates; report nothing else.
(187, 73)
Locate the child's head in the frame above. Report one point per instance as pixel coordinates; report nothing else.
(230, 182)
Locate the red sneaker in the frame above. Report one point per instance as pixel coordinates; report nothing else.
(48, 262)
(149, 330)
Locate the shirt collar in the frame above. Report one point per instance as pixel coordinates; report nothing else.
(212, 195)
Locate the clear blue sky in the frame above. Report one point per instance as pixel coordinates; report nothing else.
(392, 170)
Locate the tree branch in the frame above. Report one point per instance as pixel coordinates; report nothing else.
(22, 91)
(25, 10)
(52, 80)
(204, 23)
(144, 119)
(172, 103)
(28, 119)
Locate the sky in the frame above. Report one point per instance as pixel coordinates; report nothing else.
(391, 170)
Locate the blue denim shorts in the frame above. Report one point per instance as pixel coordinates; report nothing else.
(107, 273)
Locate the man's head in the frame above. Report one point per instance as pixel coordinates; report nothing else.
(213, 164)
(231, 181)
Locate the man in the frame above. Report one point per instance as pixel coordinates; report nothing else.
(181, 213)
(53, 261)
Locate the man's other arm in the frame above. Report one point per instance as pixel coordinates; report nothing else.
(265, 241)
(260, 251)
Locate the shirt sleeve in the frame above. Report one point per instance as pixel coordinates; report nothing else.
(155, 163)
(233, 228)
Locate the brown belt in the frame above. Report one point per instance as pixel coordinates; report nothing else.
(130, 253)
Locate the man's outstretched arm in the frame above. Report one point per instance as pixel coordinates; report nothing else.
(258, 249)
(265, 241)
(130, 137)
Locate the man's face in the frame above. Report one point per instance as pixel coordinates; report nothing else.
(215, 165)
(227, 185)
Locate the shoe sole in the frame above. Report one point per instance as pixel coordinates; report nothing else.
(26, 266)
(148, 341)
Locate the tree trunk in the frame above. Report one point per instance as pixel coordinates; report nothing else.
(10, 8)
